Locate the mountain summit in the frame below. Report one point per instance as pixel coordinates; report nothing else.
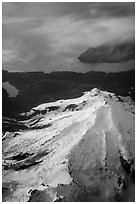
(79, 149)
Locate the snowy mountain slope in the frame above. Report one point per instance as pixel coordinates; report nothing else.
(78, 149)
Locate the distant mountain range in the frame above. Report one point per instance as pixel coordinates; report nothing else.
(37, 87)
(117, 53)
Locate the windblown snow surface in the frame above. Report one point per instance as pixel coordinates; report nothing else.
(79, 149)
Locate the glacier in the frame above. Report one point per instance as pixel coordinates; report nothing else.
(80, 149)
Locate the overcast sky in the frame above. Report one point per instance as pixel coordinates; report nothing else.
(50, 36)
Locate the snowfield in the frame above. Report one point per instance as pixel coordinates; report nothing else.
(80, 149)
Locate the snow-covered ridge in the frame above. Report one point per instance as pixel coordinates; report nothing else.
(71, 145)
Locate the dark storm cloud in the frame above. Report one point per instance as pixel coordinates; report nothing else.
(49, 36)
(113, 9)
(36, 9)
(86, 9)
